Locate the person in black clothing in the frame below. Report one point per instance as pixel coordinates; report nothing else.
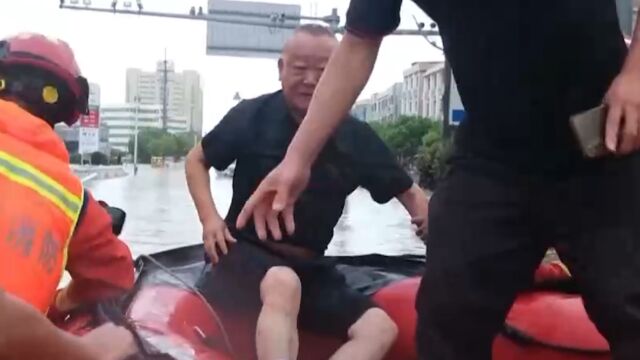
(518, 182)
(282, 275)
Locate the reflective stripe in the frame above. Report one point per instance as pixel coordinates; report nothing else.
(65, 250)
(26, 175)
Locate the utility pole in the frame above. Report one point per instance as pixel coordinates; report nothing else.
(165, 92)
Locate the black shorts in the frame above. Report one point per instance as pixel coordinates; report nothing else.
(328, 305)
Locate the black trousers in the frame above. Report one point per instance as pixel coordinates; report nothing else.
(488, 231)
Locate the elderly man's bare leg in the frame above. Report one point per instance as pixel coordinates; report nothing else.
(370, 338)
(277, 331)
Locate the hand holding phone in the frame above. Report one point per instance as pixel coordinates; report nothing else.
(589, 129)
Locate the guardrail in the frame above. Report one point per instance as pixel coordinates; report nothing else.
(89, 177)
(89, 172)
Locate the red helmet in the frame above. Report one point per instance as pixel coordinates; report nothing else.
(53, 56)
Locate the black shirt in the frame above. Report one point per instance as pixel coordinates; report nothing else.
(256, 134)
(522, 68)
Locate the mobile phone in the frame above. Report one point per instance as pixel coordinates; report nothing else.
(589, 128)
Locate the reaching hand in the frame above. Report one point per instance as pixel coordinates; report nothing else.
(276, 194)
(417, 204)
(420, 215)
(421, 226)
(215, 236)
(623, 118)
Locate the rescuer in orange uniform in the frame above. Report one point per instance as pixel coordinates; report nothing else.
(48, 221)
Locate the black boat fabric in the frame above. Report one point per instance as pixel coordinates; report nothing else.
(366, 273)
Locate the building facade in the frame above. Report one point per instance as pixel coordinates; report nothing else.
(420, 94)
(183, 93)
(413, 88)
(383, 106)
(362, 110)
(121, 120)
(71, 135)
(433, 92)
(386, 105)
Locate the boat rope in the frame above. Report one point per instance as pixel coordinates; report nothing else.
(89, 177)
(225, 336)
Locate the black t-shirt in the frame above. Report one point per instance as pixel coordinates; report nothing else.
(522, 68)
(256, 134)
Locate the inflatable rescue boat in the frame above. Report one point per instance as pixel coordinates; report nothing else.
(170, 314)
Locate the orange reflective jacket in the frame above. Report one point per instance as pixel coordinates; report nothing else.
(40, 202)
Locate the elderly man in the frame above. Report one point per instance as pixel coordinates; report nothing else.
(285, 276)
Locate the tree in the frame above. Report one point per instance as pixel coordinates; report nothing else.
(432, 158)
(75, 158)
(418, 142)
(98, 158)
(157, 142)
(163, 146)
(404, 135)
(116, 156)
(145, 137)
(185, 142)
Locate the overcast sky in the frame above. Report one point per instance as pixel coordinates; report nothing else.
(106, 45)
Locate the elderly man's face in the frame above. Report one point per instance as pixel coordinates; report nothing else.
(303, 60)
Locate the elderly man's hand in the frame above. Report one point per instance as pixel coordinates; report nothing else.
(275, 196)
(623, 118)
(215, 236)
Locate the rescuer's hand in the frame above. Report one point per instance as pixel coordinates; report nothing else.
(623, 115)
(110, 342)
(276, 196)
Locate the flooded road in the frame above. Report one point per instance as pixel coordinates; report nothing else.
(161, 215)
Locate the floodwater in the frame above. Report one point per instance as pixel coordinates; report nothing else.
(161, 215)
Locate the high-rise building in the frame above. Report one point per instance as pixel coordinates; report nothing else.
(179, 94)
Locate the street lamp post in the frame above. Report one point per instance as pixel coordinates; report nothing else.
(192, 129)
(136, 100)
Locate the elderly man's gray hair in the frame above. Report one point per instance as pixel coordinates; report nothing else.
(315, 29)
